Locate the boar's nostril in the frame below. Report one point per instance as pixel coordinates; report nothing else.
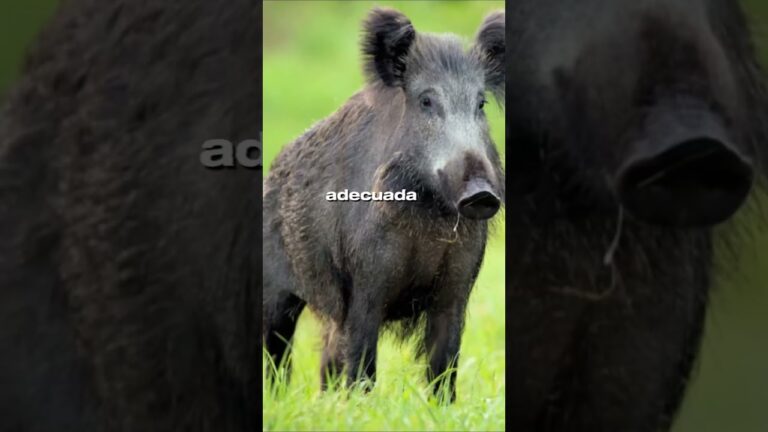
(478, 200)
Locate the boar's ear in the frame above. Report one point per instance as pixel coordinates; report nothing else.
(489, 43)
(387, 36)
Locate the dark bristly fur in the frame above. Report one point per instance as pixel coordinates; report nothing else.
(129, 272)
(364, 265)
(596, 343)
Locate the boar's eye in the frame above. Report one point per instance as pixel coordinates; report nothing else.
(481, 105)
(426, 102)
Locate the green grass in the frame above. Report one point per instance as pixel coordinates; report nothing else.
(20, 22)
(311, 66)
(400, 399)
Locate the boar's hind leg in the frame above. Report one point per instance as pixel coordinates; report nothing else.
(279, 324)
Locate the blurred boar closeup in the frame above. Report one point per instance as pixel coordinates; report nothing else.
(129, 273)
(634, 128)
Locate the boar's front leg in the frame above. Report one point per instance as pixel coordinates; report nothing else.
(375, 275)
(362, 328)
(361, 331)
(445, 317)
(442, 340)
(445, 321)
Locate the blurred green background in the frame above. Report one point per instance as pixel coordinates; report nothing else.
(311, 67)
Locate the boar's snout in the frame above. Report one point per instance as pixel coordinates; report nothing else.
(684, 171)
(478, 201)
(467, 183)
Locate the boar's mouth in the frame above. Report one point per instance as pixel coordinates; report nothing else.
(699, 182)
